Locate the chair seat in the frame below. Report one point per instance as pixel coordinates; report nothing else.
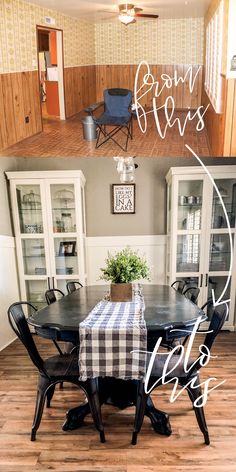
(178, 371)
(62, 366)
(106, 119)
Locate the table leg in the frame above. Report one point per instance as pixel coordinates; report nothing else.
(122, 394)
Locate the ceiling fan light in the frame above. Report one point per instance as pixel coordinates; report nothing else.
(126, 19)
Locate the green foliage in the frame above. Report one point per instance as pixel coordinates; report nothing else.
(125, 266)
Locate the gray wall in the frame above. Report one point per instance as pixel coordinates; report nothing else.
(6, 163)
(100, 173)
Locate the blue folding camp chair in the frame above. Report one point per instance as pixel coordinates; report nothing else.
(117, 116)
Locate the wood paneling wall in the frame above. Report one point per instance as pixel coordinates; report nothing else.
(215, 122)
(108, 76)
(19, 97)
(19, 94)
(80, 88)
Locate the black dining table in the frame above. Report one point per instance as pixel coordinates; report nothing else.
(165, 309)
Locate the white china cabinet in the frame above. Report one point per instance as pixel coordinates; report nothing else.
(49, 222)
(198, 241)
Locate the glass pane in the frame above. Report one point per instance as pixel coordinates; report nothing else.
(188, 253)
(35, 290)
(190, 204)
(219, 252)
(217, 283)
(66, 256)
(29, 208)
(34, 256)
(227, 189)
(63, 208)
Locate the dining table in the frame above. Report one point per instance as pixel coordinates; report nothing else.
(165, 309)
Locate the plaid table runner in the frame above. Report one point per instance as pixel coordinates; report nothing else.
(108, 335)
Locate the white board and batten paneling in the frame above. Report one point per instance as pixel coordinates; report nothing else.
(153, 248)
(9, 292)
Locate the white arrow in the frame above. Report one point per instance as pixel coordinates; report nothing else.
(219, 301)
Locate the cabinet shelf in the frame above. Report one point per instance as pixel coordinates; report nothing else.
(63, 208)
(31, 210)
(33, 255)
(190, 205)
(67, 256)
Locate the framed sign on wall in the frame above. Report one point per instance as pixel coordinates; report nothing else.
(123, 198)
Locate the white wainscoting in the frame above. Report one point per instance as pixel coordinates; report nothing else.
(152, 247)
(9, 291)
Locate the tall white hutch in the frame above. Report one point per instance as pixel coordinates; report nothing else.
(198, 241)
(48, 210)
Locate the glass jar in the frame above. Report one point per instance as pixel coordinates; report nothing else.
(66, 222)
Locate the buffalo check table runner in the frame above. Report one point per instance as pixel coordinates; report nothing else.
(108, 335)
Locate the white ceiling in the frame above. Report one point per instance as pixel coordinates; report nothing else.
(96, 11)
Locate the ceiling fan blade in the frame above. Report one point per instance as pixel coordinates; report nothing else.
(144, 15)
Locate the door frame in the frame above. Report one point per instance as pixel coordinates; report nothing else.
(60, 64)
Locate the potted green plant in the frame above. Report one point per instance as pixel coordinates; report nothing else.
(124, 267)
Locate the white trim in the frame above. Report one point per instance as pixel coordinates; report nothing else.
(49, 174)
(7, 344)
(153, 248)
(123, 241)
(60, 74)
(221, 170)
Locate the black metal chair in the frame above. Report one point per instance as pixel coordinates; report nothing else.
(53, 335)
(178, 285)
(117, 116)
(206, 304)
(217, 321)
(51, 295)
(191, 292)
(55, 369)
(72, 286)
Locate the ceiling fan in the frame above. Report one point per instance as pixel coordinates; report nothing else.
(128, 13)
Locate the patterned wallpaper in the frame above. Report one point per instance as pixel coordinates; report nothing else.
(177, 41)
(18, 21)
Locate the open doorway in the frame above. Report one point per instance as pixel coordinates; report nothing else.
(51, 76)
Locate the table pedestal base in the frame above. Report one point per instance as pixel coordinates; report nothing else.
(122, 394)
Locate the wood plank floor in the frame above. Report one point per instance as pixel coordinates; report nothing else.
(65, 139)
(81, 450)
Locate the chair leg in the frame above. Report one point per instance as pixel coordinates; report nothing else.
(131, 127)
(91, 389)
(49, 394)
(43, 385)
(195, 393)
(140, 411)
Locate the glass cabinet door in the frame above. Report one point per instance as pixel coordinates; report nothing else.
(34, 259)
(190, 205)
(227, 189)
(35, 290)
(219, 257)
(66, 259)
(63, 208)
(29, 208)
(188, 253)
